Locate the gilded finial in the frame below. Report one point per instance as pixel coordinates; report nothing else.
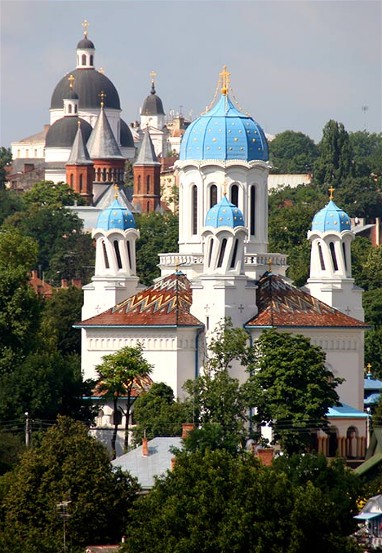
(101, 70)
(269, 264)
(224, 77)
(153, 75)
(225, 187)
(71, 80)
(102, 95)
(331, 190)
(116, 190)
(85, 25)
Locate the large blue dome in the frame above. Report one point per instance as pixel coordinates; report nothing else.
(116, 216)
(330, 218)
(224, 133)
(224, 214)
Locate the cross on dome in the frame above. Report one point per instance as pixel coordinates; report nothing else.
(331, 190)
(85, 25)
(225, 80)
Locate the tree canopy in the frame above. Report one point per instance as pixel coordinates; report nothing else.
(292, 152)
(291, 388)
(66, 465)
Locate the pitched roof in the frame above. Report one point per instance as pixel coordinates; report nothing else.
(146, 467)
(281, 304)
(146, 154)
(166, 303)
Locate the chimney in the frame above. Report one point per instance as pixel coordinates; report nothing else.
(34, 274)
(265, 455)
(145, 447)
(64, 283)
(187, 427)
(172, 463)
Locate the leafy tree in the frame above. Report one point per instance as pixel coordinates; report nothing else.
(335, 161)
(372, 304)
(11, 447)
(360, 197)
(52, 195)
(67, 465)
(59, 314)
(360, 250)
(158, 233)
(10, 203)
(291, 388)
(373, 351)
(118, 373)
(367, 153)
(5, 159)
(292, 152)
(219, 503)
(219, 402)
(156, 413)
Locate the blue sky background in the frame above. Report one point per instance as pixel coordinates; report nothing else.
(294, 64)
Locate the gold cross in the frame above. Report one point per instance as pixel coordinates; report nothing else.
(331, 190)
(102, 95)
(224, 75)
(85, 25)
(153, 75)
(71, 81)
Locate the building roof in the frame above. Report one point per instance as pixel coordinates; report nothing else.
(345, 411)
(88, 83)
(126, 136)
(280, 304)
(146, 154)
(224, 214)
(331, 218)
(79, 154)
(372, 384)
(116, 216)
(224, 133)
(63, 132)
(102, 143)
(152, 104)
(166, 303)
(146, 467)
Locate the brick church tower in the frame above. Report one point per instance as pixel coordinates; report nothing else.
(146, 193)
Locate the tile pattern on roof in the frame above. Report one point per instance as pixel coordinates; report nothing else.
(167, 302)
(281, 304)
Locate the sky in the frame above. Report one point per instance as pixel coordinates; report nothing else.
(294, 64)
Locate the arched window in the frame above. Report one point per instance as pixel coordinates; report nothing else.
(117, 417)
(83, 59)
(213, 195)
(139, 183)
(345, 260)
(104, 175)
(235, 195)
(71, 179)
(148, 184)
(194, 210)
(118, 254)
(75, 108)
(70, 108)
(234, 254)
(322, 262)
(81, 181)
(91, 59)
(147, 207)
(222, 252)
(78, 60)
(211, 247)
(333, 254)
(106, 259)
(128, 253)
(252, 209)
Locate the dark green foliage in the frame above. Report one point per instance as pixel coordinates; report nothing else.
(292, 152)
(360, 197)
(367, 153)
(158, 233)
(69, 465)
(373, 351)
(291, 388)
(156, 413)
(218, 503)
(335, 162)
(11, 447)
(360, 249)
(52, 195)
(59, 314)
(10, 203)
(5, 159)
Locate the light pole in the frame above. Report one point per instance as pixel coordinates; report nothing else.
(63, 512)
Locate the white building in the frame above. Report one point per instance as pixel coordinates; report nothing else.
(223, 269)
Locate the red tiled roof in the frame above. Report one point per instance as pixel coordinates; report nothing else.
(140, 385)
(166, 303)
(281, 304)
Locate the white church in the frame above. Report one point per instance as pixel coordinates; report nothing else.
(223, 269)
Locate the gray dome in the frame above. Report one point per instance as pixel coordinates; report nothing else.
(63, 132)
(88, 84)
(85, 43)
(152, 104)
(126, 137)
(72, 95)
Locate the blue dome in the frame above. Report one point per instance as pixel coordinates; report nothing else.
(116, 216)
(224, 214)
(331, 217)
(224, 133)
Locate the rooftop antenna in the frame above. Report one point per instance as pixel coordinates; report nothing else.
(365, 109)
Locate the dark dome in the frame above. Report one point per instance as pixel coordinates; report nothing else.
(71, 95)
(126, 137)
(63, 132)
(85, 43)
(88, 83)
(152, 104)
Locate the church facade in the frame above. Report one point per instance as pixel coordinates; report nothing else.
(223, 269)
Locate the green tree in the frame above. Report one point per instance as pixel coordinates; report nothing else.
(360, 197)
(373, 351)
(158, 233)
(156, 413)
(119, 373)
(292, 152)
(219, 402)
(335, 161)
(5, 159)
(53, 195)
(291, 388)
(219, 503)
(11, 447)
(10, 203)
(360, 250)
(67, 465)
(367, 153)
